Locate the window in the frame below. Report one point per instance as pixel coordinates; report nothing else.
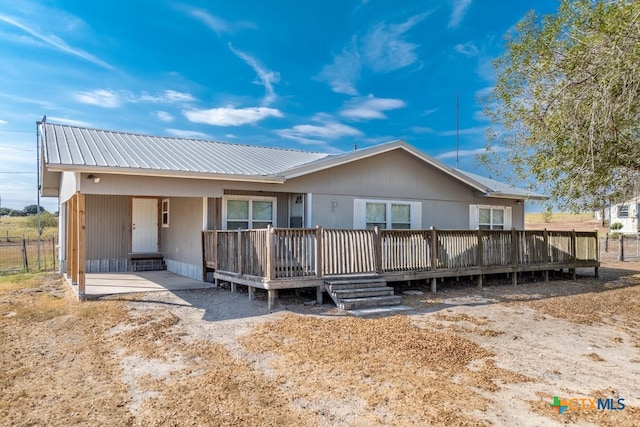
(248, 212)
(623, 211)
(489, 217)
(165, 213)
(387, 214)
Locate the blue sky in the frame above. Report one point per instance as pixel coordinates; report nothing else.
(318, 76)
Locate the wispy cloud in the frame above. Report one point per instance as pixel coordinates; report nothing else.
(113, 99)
(71, 122)
(457, 13)
(266, 78)
(217, 24)
(467, 49)
(180, 133)
(422, 130)
(484, 92)
(164, 116)
(3, 122)
(318, 134)
(370, 107)
(469, 153)
(344, 71)
(56, 42)
(229, 116)
(478, 130)
(383, 49)
(101, 98)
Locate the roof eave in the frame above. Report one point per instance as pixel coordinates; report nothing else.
(166, 173)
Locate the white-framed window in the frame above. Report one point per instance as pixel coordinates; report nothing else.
(165, 213)
(387, 214)
(623, 211)
(486, 217)
(247, 212)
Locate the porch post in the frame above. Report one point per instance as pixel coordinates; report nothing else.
(82, 248)
(377, 249)
(74, 241)
(433, 248)
(271, 254)
(545, 256)
(514, 254)
(574, 252)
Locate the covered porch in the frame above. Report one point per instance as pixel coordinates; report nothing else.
(279, 258)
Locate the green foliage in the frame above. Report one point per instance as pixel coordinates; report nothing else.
(566, 104)
(547, 215)
(47, 220)
(616, 226)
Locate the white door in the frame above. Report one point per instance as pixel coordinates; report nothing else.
(144, 226)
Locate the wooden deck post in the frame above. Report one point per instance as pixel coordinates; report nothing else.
(82, 246)
(319, 264)
(574, 253)
(514, 255)
(596, 272)
(479, 256)
(377, 250)
(271, 253)
(433, 255)
(240, 260)
(621, 246)
(545, 256)
(251, 291)
(272, 295)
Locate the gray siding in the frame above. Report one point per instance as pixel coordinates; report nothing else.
(181, 242)
(108, 228)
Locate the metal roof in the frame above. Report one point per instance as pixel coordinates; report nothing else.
(81, 148)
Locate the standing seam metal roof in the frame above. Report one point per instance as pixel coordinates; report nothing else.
(75, 146)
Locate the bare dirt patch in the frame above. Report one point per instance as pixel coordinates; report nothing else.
(463, 356)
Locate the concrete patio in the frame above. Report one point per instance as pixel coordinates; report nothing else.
(103, 284)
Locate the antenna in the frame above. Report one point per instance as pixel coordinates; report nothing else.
(457, 130)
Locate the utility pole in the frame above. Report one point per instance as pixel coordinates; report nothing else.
(44, 119)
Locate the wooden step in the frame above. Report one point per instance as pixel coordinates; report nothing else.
(355, 285)
(383, 301)
(355, 281)
(363, 292)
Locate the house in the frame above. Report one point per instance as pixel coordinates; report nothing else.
(626, 213)
(131, 201)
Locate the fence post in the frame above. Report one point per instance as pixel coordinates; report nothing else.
(240, 253)
(621, 250)
(546, 259)
(377, 249)
(480, 255)
(606, 242)
(434, 256)
(574, 253)
(271, 253)
(25, 259)
(319, 266)
(514, 255)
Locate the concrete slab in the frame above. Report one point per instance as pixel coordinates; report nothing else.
(102, 284)
(378, 311)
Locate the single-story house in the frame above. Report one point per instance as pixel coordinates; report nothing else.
(131, 198)
(626, 213)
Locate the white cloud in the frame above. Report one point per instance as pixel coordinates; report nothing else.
(217, 24)
(457, 13)
(3, 122)
(100, 97)
(469, 153)
(484, 92)
(422, 129)
(370, 107)
(180, 133)
(344, 71)
(266, 77)
(467, 49)
(56, 42)
(468, 131)
(384, 48)
(71, 122)
(112, 99)
(229, 116)
(318, 134)
(164, 116)
(429, 112)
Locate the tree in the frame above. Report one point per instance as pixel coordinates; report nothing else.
(47, 220)
(33, 209)
(566, 104)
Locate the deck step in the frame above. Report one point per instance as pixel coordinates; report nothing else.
(361, 292)
(368, 302)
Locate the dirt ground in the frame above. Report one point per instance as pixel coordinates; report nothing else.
(462, 356)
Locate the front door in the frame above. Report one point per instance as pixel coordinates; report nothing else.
(144, 226)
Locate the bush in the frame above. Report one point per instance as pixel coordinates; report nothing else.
(616, 226)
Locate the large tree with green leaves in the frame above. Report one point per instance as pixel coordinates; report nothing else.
(566, 104)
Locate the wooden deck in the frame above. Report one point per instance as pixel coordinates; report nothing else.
(281, 258)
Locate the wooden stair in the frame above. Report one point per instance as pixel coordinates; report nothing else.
(357, 292)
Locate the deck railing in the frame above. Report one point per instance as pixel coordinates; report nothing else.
(277, 253)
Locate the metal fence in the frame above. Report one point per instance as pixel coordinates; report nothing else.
(18, 254)
(620, 247)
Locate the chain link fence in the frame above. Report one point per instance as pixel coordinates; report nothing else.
(18, 254)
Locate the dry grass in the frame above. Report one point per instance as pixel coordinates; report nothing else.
(16, 227)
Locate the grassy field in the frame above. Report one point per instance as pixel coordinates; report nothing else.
(17, 227)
